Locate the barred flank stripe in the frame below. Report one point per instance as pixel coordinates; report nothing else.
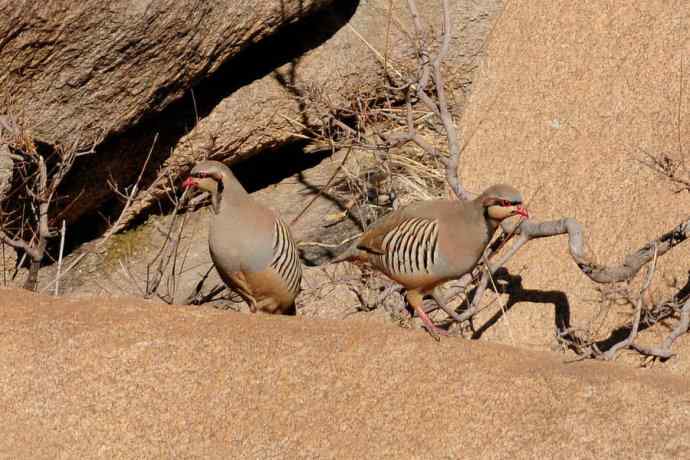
(285, 257)
(411, 247)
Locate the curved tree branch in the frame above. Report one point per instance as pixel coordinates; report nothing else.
(528, 230)
(599, 273)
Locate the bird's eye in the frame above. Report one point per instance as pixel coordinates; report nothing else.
(505, 203)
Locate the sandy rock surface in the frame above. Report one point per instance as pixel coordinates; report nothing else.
(568, 102)
(123, 378)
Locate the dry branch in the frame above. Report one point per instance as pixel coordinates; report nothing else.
(631, 265)
(38, 187)
(431, 68)
(663, 351)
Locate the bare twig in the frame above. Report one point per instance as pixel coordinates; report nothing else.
(119, 225)
(112, 229)
(62, 248)
(529, 230)
(610, 354)
(322, 189)
(4, 265)
(598, 273)
(34, 194)
(663, 351)
(74, 263)
(432, 68)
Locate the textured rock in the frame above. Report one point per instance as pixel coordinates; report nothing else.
(130, 378)
(83, 71)
(192, 80)
(568, 101)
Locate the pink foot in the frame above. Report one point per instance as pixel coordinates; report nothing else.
(431, 327)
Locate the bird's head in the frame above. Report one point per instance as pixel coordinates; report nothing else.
(207, 176)
(502, 201)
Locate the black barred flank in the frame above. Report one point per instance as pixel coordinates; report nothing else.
(285, 257)
(411, 247)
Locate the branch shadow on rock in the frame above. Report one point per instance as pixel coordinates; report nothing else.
(517, 293)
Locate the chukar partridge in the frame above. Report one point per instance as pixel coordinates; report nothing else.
(428, 243)
(250, 246)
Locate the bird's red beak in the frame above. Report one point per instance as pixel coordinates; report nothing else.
(522, 212)
(189, 183)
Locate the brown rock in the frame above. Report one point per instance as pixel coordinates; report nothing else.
(84, 71)
(130, 378)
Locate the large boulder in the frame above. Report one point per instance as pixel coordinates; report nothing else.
(81, 71)
(131, 378)
(570, 99)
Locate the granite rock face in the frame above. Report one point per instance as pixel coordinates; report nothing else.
(567, 105)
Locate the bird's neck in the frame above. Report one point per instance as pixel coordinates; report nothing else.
(228, 195)
(481, 211)
(491, 223)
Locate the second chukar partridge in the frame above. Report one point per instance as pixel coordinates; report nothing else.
(428, 243)
(250, 246)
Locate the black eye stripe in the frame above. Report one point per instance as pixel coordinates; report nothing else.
(506, 203)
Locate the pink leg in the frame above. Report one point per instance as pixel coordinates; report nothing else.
(415, 299)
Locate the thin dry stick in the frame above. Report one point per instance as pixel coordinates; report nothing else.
(19, 264)
(376, 52)
(388, 33)
(503, 311)
(63, 230)
(4, 266)
(69, 268)
(40, 190)
(115, 227)
(680, 107)
(454, 150)
(664, 350)
(329, 245)
(431, 68)
(118, 225)
(610, 354)
(129, 274)
(153, 280)
(172, 278)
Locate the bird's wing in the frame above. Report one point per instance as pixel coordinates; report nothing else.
(285, 259)
(372, 240)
